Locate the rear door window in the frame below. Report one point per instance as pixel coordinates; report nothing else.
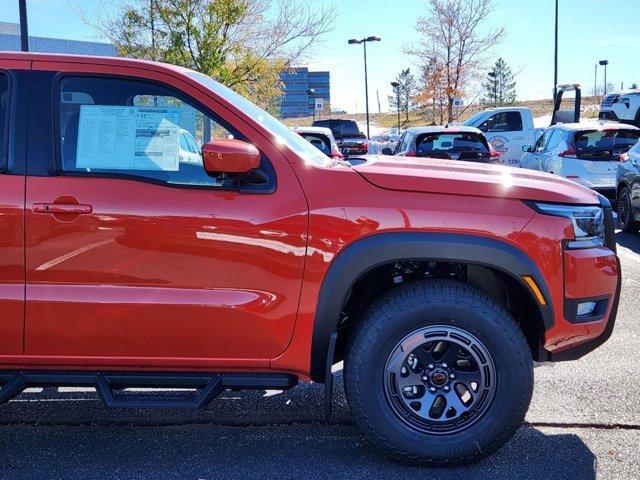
(605, 144)
(4, 119)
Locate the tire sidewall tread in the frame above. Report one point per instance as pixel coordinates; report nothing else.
(404, 310)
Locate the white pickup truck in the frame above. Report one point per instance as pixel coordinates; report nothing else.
(509, 129)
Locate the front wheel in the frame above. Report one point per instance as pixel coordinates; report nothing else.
(626, 218)
(438, 373)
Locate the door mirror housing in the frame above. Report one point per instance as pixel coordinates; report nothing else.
(526, 148)
(229, 156)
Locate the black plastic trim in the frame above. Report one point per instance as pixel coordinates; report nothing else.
(571, 309)
(609, 225)
(4, 153)
(370, 252)
(209, 384)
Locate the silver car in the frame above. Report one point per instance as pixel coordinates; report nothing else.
(587, 153)
(628, 183)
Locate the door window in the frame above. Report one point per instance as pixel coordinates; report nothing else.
(554, 139)
(404, 142)
(503, 122)
(542, 141)
(130, 128)
(4, 119)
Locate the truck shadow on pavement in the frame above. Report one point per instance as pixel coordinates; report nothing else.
(53, 434)
(630, 241)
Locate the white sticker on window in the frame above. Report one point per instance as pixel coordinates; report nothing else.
(128, 138)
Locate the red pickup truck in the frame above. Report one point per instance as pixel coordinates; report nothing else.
(437, 282)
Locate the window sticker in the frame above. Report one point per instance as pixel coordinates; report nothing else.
(128, 138)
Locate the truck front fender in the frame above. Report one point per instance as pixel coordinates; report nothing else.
(373, 251)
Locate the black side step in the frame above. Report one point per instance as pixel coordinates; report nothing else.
(209, 385)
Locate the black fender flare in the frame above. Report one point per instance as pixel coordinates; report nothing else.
(370, 252)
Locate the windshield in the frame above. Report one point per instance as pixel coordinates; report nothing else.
(339, 127)
(474, 119)
(294, 141)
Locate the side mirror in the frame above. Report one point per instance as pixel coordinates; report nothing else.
(229, 156)
(386, 151)
(526, 148)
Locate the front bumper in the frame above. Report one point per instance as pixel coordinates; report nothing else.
(590, 335)
(574, 277)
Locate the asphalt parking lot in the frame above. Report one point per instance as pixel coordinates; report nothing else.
(583, 423)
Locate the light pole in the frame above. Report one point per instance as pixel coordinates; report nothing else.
(396, 86)
(604, 63)
(493, 75)
(24, 32)
(364, 41)
(555, 58)
(595, 80)
(312, 93)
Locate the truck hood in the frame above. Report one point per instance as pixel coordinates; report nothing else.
(472, 179)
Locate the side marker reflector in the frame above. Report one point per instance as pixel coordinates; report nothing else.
(535, 289)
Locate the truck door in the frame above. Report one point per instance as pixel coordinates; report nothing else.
(12, 183)
(505, 131)
(136, 257)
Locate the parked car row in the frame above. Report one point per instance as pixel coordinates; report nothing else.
(587, 153)
(601, 155)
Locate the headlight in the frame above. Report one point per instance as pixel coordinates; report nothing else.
(588, 223)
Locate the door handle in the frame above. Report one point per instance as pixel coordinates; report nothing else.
(62, 208)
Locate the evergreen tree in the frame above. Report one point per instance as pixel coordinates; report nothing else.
(499, 86)
(407, 89)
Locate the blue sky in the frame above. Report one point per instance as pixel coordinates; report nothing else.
(590, 30)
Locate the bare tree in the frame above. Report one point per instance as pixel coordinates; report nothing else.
(453, 38)
(244, 44)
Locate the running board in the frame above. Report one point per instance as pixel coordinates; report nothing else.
(210, 385)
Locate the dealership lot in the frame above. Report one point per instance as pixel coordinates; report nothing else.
(583, 423)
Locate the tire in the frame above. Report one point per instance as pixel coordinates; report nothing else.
(434, 306)
(628, 223)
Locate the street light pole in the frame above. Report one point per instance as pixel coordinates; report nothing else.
(604, 63)
(364, 41)
(595, 80)
(312, 93)
(396, 85)
(555, 59)
(366, 86)
(24, 31)
(493, 75)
